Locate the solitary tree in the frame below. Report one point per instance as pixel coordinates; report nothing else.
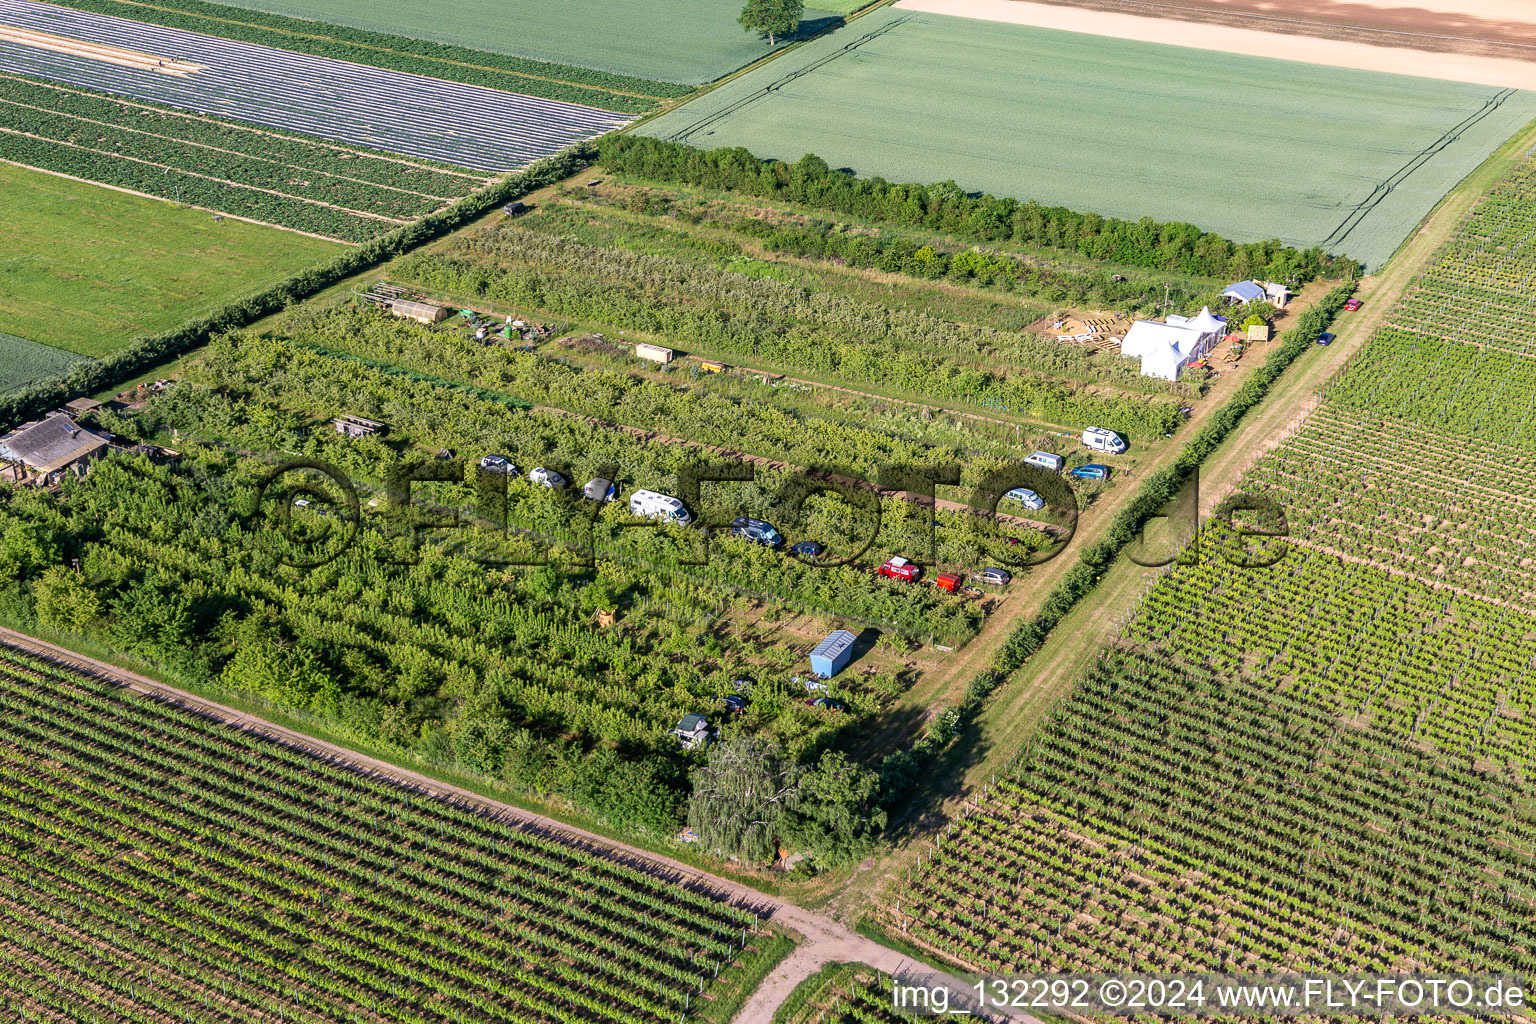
(771, 17)
(740, 796)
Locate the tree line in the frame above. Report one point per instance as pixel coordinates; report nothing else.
(947, 207)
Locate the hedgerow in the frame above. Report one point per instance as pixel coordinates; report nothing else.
(947, 207)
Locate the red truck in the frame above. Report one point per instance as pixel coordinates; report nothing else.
(899, 568)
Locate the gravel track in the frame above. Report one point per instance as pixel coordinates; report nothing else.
(465, 125)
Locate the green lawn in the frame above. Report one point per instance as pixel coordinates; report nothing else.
(1249, 147)
(685, 41)
(87, 269)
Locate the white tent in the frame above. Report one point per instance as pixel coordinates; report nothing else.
(1165, 361)
(1148, 335)
(1164, 348)
(1205, 323)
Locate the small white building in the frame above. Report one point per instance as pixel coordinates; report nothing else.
(1165, 348)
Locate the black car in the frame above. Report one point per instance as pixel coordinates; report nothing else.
(734, 704)
(756, 530)
(809, 548)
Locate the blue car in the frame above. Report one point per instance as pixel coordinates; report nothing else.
(808, 548)
(756, 530)
(1325, 338)
(1092, 471)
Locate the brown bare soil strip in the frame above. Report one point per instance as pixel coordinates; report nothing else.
(1336, 47)
(1492, 28)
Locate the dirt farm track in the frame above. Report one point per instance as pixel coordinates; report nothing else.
(1483, 28)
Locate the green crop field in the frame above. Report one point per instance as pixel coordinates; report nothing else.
(24, 362)
(88, 269)
(687, 41)
(1247, 147)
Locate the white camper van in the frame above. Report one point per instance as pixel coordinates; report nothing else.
(651, 505)
(1102, 439)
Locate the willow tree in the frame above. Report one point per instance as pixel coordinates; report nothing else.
(740, 797)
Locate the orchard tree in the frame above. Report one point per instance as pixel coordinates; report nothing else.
(771, 17)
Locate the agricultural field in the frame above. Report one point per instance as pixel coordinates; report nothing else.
(826, 334)
(1317, 757)
(584, 86)
(679, 41)
(840, 994)
(1455, 354)
(157, 866)
(318, 188)
(437, 641)
(88, 269)
(1171, 816)
(1244, 146)
(27, 362)
(1446, 509)
(464, 125)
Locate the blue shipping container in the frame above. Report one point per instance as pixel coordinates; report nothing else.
(831, 655)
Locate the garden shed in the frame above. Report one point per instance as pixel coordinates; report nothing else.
(692, 730)
(48, 448)
(831, 655)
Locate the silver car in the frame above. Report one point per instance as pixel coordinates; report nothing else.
(1026, 497)
(996, 577)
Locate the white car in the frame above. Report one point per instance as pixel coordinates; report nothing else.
(547, 478)
(498, 464)
(1026, 497)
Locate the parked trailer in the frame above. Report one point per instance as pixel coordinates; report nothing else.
(655, 353)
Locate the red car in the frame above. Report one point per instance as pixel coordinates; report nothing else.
(899, 568)
(1352, 305)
